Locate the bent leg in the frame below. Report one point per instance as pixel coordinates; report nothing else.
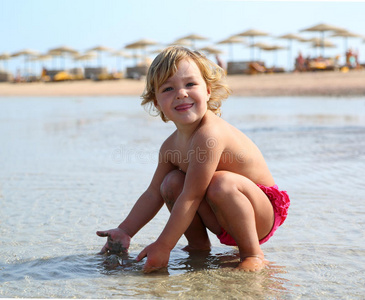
(245, 212)
(196, 234)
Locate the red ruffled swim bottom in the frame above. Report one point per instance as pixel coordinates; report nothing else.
(280, 202)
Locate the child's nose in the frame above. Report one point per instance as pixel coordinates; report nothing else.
(181, 94)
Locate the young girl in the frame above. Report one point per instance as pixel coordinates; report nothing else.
(209, 174)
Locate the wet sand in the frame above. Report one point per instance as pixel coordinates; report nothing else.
(289, 84)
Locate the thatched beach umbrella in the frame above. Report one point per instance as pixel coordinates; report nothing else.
(323, 43)
(5, 57)
(252, 33)
(54, 54)
(211, 50)
(90, 55)
(120, 55)
(141, 44)
(260, 46)
(193, 38)
(27, 53)
(322, 28)
(156, 51)
(230, 41)
(182, 42)
(274, 49)
(345, 35)
(63, 51)
(40, 58)
(290, 37)
(99, 49)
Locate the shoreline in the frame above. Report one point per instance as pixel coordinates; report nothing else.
(330, 84)
(327, 84)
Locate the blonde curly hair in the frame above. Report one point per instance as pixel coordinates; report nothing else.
(165, 65)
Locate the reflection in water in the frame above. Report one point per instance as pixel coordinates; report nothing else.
(197, 276)
(188, 275)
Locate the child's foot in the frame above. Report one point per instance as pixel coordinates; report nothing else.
(251, 264)
(201, 247)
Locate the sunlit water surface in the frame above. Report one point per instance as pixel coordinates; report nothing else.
(71, 166)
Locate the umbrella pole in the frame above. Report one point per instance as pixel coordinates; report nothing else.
(26, 66)
(135, 57)
(231, 51)
(345, 44)
(252, 49)
(290, 54)
(34, 64)
(145, 56)
(275, 58)
(120, 65)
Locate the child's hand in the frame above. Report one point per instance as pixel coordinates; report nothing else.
(157, 257)
(118, 241)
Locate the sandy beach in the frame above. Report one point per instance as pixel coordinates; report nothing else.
(286, 84)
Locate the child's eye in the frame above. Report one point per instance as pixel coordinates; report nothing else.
(167, 89)
(190, 84)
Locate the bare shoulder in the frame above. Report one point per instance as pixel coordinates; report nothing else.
(168, 147)
(214, 131)
(168, 144)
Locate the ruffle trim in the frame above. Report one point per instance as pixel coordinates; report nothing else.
(279, 199)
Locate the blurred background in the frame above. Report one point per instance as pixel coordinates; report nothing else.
(102, 39)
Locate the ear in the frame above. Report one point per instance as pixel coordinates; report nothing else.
(209, 92)
(155, 103)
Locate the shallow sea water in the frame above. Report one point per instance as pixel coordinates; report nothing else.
(71, 166)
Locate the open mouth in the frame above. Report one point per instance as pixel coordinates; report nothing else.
(183, 107)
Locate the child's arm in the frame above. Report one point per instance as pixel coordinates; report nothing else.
(146, 207)
(201, 169)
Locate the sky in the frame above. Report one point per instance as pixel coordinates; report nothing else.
(82, 24)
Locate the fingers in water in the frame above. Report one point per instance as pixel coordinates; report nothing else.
(103, 250)
(102, 233)
(115, 247)
(141, 256)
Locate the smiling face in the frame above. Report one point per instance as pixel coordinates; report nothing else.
(183, 97)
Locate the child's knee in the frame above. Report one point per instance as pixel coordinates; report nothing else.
(220, 186)
(172, 185)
